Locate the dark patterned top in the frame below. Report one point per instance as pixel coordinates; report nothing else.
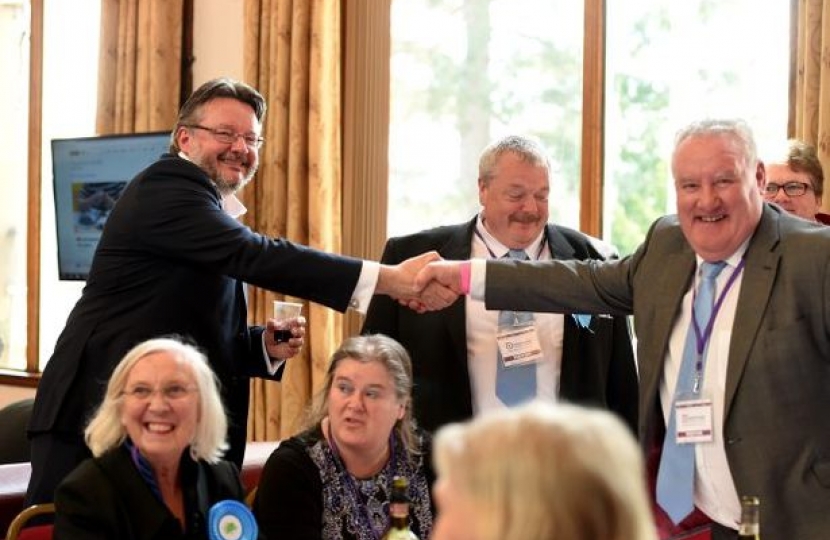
(304, 493)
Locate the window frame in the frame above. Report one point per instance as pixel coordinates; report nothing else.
(592, 164)
(31, 376)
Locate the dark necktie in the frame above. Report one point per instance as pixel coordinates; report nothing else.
(676, 474)
(515, 384)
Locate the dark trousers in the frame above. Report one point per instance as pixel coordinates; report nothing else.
(719, 532)
(54, 455)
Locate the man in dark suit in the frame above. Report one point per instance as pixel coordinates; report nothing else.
(761, 374)
(174, 260)
(456, 364)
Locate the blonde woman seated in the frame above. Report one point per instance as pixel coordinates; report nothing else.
(540, 472)
(156, 439)
(333, 481)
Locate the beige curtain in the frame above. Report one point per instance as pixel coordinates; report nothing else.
(811, 102)
(139, 65)
(292, 55)
(367, 50)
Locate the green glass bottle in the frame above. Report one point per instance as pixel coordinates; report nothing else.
(750, 527)
(399, 512)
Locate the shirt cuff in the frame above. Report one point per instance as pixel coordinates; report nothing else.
(478, 278)
(271, 364)
(365, 288)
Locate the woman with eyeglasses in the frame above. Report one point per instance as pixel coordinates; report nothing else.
(157, 440)
(795, 181)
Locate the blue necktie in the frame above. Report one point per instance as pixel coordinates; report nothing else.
(676, 474)
(515, 384)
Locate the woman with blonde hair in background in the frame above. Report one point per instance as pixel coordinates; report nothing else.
(540, 472)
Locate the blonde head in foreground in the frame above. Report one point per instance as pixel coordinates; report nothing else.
(541, 471)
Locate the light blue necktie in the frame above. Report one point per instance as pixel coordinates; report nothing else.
(515, 384)
(676, 474)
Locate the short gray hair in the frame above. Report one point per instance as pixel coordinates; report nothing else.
(735, 128)
(106, 431)
(529, 149)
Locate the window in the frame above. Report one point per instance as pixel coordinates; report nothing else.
(517, 66)
(14, 115)
(669, 63)
(70, 30)
(465, 72)
(70, 91)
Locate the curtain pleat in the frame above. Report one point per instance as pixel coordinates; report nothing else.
(812, 87)
(292, 56)
(139, 65)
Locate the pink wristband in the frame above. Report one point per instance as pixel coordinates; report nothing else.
(466, 270)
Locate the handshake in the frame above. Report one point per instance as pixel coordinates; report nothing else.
(424, 283)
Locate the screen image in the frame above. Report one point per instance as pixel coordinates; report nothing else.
(89, 175)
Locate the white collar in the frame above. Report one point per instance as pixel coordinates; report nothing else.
(499, 249)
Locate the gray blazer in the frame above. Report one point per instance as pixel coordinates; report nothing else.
(776, 425)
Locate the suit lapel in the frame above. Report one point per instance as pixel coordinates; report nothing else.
(147, 514)
(571, 381)
(675, 276)
(559, 247)
(756, 287)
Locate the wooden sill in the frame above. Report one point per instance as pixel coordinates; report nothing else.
(13, 377)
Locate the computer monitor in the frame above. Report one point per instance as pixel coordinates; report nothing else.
(89, 175)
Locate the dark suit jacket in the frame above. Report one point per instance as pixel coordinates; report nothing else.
(597, 364)
(776, 429)
(106, 498)
(171, 261)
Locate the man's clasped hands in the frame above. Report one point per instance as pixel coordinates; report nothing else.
(423, 283)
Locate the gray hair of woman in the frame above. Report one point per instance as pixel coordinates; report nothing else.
(106, 431)
(548, 472)
(392, 355)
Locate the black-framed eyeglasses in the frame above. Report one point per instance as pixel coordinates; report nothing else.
(792, 189)
(226, 136)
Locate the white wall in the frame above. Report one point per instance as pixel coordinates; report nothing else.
(217, 40)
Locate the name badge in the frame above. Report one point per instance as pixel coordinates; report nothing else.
(519, 345)
(693, 419)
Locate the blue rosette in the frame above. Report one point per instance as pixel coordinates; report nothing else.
(231, 520)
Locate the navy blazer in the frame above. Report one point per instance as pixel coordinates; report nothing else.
(171, 261)
(597, 368)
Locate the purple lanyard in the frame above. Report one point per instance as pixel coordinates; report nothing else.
(352, 487)
(702, 340)
(493, 255)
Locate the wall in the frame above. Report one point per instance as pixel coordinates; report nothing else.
(217, 40)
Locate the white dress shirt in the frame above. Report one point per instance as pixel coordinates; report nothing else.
(482, 326)
(715, 492)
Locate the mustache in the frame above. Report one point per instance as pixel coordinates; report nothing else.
(525, 217)
(241, 157)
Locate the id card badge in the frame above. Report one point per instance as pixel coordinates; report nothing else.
(693, 419)
(519, 345)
